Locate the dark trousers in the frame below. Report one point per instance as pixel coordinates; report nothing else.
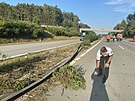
(102, 69)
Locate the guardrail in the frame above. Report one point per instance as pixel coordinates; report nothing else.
(21, 92)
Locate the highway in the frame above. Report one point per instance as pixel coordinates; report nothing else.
(120, 85)
(19, 49)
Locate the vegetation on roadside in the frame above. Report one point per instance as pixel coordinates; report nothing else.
(70, 77)
(23, 21)
(18, 29)
(89, 37)
(19, 72)
(11, 85)
(63, 31)
(46, 14)
(128, 26)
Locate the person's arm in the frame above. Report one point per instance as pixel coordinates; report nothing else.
(98, 59)
(108, 62)
(110, 58)
(98, 63)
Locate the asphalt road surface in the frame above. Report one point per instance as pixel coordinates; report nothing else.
(120, 85)
(19, 49)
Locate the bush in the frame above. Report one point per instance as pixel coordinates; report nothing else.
(18, 29)
(56, 31)
(88, 39)
(63, 31)
(37, 33)
(72, 32)
(12, 84)
(86, 42)
(27, 30)
(71, 77)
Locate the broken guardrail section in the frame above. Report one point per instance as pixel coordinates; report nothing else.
(21, 92)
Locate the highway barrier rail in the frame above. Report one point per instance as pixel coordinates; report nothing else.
(21, 92)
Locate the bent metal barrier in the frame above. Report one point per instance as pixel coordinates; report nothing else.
(21, 92)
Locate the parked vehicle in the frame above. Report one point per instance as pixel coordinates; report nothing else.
(81, 38)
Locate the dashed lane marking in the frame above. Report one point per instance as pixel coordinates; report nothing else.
(121, 47)
(129, 42)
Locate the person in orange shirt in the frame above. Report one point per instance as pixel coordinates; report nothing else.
(108, 38)
(121, 36)
(134, 38)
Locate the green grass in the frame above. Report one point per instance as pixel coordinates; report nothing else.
(70, 77)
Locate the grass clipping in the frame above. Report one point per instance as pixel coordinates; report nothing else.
(70, 77)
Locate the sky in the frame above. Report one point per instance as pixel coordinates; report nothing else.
(97, 14)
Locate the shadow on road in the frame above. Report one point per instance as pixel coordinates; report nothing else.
(98, 90)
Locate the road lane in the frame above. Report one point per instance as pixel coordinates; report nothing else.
(119, 86)
(122, 74)
(12, 50)
(128, 46)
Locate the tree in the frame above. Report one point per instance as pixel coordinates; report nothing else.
(129, 27)
(36, 20)
(76, 26)
(121, 26)
(131, 17)
(82, 25)
(47, 14)
(22, 11)
(5, 10)
(68, 19)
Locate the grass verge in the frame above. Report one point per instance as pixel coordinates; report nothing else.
(19, 72)
(24, 41)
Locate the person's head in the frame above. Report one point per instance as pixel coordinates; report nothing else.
(103, 51)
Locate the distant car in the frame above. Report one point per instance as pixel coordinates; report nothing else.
(81, 38)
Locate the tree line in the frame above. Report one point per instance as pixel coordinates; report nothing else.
(127, 25)
(24, 20)
(45, 14)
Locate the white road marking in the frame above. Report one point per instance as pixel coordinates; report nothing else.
(121, 47)
(74, 61)
(40, 50)
(77, 59)
(82, 55)
(129, 42)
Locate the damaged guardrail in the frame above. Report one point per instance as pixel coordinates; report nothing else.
(21, 92)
